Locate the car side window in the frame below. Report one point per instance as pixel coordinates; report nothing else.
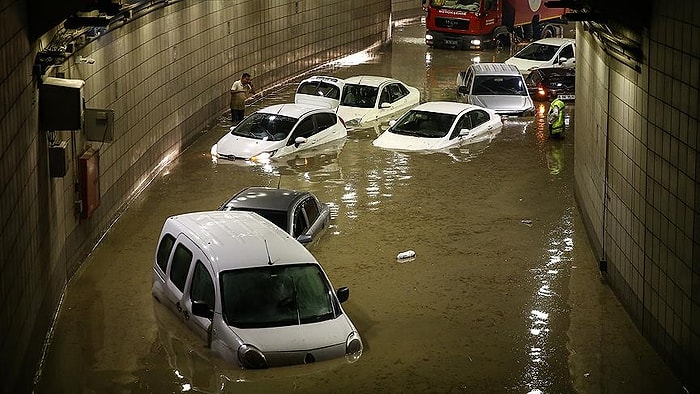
(180, 266)
(300, 225)
(164, 249)
(567, 52)
(305, 129)
(202, 288)
(325, 120)
(478, 117)
(533, 78)
(385, 97)
(463, 123)
(469, 79)
(395, 92)
(311, 208)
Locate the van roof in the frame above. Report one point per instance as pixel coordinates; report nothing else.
(494, 69)
(238, 239)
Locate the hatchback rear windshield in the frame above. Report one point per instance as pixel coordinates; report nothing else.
(319, 88)
(276, 296)
(266, 127)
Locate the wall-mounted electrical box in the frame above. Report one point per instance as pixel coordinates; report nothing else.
(58, 162)
(99, 125)
(61, 104)
(89, 182)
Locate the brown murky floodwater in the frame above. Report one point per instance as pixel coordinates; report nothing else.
(504, 294)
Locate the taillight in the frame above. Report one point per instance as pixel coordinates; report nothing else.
(540, 89)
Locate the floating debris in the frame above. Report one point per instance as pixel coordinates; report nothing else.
(527, 222)
(404, 256)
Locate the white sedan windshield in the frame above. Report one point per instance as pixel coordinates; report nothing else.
(424, 124)
(276, 296)
(266, 127)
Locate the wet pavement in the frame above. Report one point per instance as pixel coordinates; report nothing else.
(503, 295)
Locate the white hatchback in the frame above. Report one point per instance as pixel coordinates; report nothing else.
(279, 130)
(438, 125)
(546, 52)
(250, 291)
(369, 99)
(320, 90)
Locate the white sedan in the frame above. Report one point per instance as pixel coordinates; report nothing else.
(546, 52)
(369, 99)
(279, 130)
(438, 125)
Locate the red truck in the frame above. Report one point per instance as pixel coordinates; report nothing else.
(477, 24)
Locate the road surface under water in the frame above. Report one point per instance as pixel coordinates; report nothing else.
(503, 295)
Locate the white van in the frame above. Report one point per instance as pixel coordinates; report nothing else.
(250, 291)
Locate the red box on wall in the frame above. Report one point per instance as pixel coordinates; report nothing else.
(89, 178)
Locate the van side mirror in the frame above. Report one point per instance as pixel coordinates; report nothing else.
(562, 60)
(385, 105)
(343, 294)
(464, 132)
(462, 89)
(202, 309)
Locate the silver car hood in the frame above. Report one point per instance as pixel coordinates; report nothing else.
(503, 104)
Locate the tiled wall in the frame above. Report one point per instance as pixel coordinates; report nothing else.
(166, 75)
(648, 227)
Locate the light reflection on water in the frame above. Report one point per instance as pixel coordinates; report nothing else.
(551, 279)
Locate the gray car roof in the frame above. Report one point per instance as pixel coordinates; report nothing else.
(494, 69)
(266, 198)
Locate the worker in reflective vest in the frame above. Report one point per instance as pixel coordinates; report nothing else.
(555, 118)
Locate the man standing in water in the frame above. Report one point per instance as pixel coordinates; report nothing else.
(240, 91)
(555, 118)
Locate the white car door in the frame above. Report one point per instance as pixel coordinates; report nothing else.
(199, 287)
(480, 125)
(177, 273)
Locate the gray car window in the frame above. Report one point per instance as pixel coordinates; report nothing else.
(180, 266)
(311, 208)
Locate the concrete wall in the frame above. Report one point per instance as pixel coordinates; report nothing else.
(166, 75)
(637, 177)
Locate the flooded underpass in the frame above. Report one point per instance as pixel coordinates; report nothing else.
(503, 295)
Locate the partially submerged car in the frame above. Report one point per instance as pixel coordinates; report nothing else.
(438, 125)
(497, 86)
(546, 52)
(548, 82)
(279, 130)
(250, 291)
(367, 99)
(299, 213)
(322, 91)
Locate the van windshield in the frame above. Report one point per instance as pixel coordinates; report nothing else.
(499, 85)
(276, 296)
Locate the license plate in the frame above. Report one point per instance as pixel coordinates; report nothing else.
(567, 97)
(451, 42)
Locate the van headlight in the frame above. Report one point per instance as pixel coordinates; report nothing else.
(251, 358)
(353, 347)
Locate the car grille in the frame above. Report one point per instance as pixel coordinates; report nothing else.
(449, 23)
(229, 157)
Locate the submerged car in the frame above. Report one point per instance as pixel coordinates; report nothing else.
(322, 91)
(279, 130)
(546, 52)
(546, 83)
(299, 213)
(366, 99)
(252, 293)
(439, 125)
(497, 86)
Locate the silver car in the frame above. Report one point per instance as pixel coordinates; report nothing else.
(498, 86)
(299, 213)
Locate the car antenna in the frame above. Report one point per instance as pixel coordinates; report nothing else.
(279, 181)
(269, 260)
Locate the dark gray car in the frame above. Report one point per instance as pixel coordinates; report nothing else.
(299, 213)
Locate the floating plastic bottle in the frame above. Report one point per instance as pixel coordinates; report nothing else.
(409, 254)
